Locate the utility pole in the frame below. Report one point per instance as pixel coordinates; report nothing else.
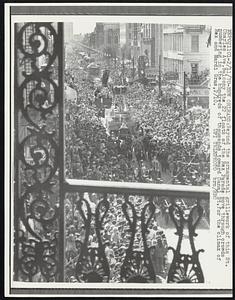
(184, 93)
(123, 64)
(160, 77)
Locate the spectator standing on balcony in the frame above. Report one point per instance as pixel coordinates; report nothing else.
(164, 160)
(158, 254)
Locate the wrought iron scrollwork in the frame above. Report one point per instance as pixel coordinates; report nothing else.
(38, 257)
(92, 264)
(36, 43)
(137, 265)
(43, 158)
(37, 97)
(185, 268)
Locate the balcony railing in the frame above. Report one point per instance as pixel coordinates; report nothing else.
(62, 227)
(149, 189)
(138, 265)
(197, 80)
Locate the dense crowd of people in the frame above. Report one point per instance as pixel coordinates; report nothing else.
(167, 146)
(166, 140)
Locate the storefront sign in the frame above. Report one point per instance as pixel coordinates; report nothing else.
(171, 76)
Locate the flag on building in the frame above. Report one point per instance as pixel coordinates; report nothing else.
(208, 43)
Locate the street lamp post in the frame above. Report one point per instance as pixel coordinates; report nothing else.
(160, 78)
(185, 92)
(123, 66)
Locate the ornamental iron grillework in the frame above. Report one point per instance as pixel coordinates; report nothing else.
(39, 205)
(37, 187)
(92, 265)
(137, 266)
(185, 268)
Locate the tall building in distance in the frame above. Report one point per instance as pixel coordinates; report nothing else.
(99, 36)
(196, 50)
(151, 43)
(107, 38)
(112, 39)
(135, 37)
(127, 33)
(143, 39)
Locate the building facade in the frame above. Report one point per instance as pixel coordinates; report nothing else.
(112, 39)
(196, 51)
(133, 40)
(173, 58)
(151, 43)
(99, 36)
(185, 50)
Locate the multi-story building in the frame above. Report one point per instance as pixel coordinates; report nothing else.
(135, 35)
(185, 50)
(99, 36)
(107, 38)
(151, 43)
(112, 38)
(196, 51)
(173, 50)
(129, 36)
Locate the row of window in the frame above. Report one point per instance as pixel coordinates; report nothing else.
(174, 42)
(147, 33)
(113, 37)
(147, 30)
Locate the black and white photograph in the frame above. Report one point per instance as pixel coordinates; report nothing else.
(136, 99)
(112, 152)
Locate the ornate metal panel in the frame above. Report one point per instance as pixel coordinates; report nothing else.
(186, 268)
(123, 226)
(92, 264)
(137, 265)
(38, 169)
